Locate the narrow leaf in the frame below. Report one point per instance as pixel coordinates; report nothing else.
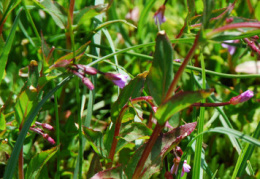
(7, 47)
(161, 73)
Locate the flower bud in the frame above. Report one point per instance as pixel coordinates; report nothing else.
(242, 97)
(88, 83)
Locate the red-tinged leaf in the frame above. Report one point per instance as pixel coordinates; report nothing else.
(164, 143)
(116, 172)
(177, 103)
(78, 53)
(161, 73)
(38, 161)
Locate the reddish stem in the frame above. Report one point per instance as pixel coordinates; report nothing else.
(182, 67)
(234, 26)
(157, 130)
(118, 124)
(20, 165)
(210, 104)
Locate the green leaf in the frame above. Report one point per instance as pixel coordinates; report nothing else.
(257, 11)
(2, 122)
(88, 13)
(38, 161)
(177, 103)
(25, 103)
(135, 131)
(162, 146)
(52, 8)
(161, 73)
(8, 45)
(95, 138)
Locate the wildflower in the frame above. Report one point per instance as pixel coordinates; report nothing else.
(118, 79)
(242, 97)
(185, 168)
(159, 15)
(133, 15)
(177, 60)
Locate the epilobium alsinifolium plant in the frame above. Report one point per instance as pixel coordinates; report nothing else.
(129, 89)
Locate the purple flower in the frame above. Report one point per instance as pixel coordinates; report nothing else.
(231, 49)
(185, 168)
(242, 97)
(159, 15)
(118, 79)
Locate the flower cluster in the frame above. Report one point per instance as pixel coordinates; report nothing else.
(176, 161)
(81, 71)
(41, 132)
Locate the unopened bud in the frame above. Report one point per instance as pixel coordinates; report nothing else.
(88, 83)
(242, 97)
(47, 126)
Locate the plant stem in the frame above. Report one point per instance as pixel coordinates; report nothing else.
(234, 26)
(157, 130)
(182, 68)
(210, 104)
(20, 165)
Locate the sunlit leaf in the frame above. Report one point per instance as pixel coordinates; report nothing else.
(177, 103)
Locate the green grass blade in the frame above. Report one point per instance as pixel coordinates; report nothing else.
(197, 173)
(248, 151)
(11, 166)
(8, 45)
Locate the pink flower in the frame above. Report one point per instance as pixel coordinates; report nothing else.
(185, 168)
(133, 15)
(118, 79)
(159, 15)
(242, 97)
